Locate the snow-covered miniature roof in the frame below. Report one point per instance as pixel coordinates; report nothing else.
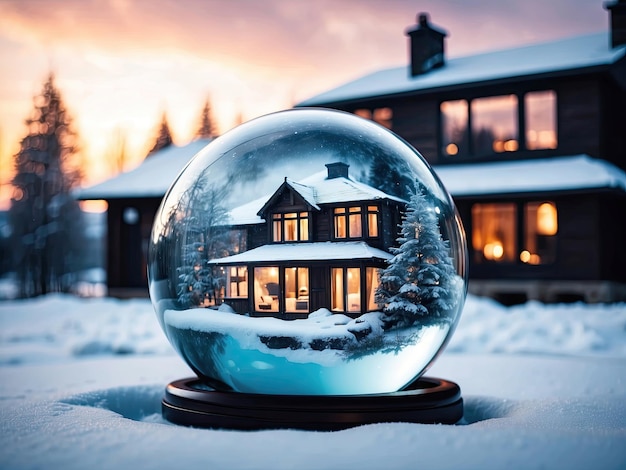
(306, 252)
(541, 175)
(315, 189)
(551, 57)
(152, 178)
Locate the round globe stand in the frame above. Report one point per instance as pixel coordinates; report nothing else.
(427, 400)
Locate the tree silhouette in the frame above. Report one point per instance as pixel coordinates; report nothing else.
(420, 284)
(47, 224)
(206, 129)
(163, 138)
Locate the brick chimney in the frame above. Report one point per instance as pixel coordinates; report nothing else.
(617, 12)
(337, 170)
(427, 46)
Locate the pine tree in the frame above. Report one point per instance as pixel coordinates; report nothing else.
(420, 284)
(206, 129)
(46, 220)
(204, 237)
(164, 136)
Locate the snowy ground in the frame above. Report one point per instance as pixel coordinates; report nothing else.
(81, 382)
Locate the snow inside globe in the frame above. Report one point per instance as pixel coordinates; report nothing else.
(308, 252)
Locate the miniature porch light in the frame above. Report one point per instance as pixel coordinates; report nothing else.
(309, 267)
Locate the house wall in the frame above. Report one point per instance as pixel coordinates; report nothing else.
(127, 246)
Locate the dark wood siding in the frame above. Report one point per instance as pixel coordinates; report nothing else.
(579, 117)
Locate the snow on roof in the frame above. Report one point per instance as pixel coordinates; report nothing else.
(558, 56)
(306, 252)
(152, 178)
(540, 175)
(342, 189)
(316, 189)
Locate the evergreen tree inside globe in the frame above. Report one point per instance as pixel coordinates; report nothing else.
(420, 284)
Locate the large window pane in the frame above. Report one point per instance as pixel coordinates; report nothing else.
(266, 289)
(494, 124)
(237, 284)
(371, 285)
(454, 115)
(540, 233)
(494, 228)
(336, 299)
(540, 112)
(354, 290)
(355, 224)
(297, 290)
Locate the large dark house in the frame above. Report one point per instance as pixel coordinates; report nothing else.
(531, 144)
(317, 243)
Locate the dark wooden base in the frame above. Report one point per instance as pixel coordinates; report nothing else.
(427, 400)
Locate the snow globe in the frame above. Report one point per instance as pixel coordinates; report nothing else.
(309, 267)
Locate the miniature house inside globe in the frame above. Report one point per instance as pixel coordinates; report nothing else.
(308, 252)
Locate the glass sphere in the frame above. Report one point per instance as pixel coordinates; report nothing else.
(308, 252)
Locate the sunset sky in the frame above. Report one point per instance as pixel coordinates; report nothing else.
(120, 64)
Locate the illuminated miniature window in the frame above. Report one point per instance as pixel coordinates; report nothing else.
(454, 122)
(348, 222)
(237, 282)
(266, 289)
(337, 290)
(541, 221)
(494, 125)
(346, 290)
(540, 120)
(371, 284)
(372, 221)
(494, 228)
(297, 290)
(364, 113)
(289, 227)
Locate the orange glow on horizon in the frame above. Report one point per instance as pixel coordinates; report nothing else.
(96, 206)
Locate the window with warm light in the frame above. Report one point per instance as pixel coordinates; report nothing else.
(490, 125)
(454, 122)
(237, 281)
(494, 228)
(297, 289)
(266, 288)
(495, 232)
(494, 124)
(346, 290)
(382, 116)
(540, 112)
(356, 222)
(290, 227)
(541, 221)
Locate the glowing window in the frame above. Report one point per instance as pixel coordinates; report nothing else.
(541, 221)
(454, 121)
(237, 283)
(494, 232)
(372, 221)
(291, 226)
(297, 290)
(540, 120)
(266, 289)
(494, 124)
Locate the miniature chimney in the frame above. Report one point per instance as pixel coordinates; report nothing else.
(617, 12)
(337, 170)
(427, 46)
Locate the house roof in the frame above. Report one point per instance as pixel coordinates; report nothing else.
(527, 176)
(306, 252)
(561, 56)
(316, 189)
(152, 178)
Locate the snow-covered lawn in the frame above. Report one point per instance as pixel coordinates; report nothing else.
(81, 382)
